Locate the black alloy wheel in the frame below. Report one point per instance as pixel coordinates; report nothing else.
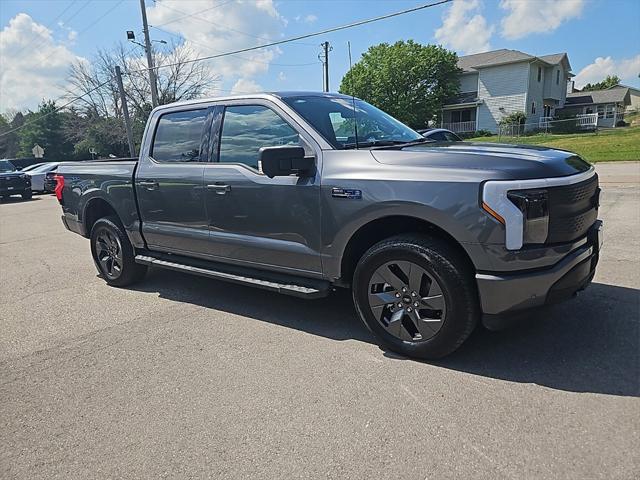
(417, 294)
(407, 301)
(109, 253)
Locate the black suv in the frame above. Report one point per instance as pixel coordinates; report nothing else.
(13, 182)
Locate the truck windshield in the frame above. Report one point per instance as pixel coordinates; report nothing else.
(6, 166)
(335, 118)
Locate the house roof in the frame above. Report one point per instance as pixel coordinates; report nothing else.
(470, 63)
(615, 95)
(624, 86)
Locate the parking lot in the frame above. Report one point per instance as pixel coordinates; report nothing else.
(184, 377)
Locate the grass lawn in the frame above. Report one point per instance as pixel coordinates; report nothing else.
(604, 146)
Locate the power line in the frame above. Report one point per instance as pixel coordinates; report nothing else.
(307, 35)
(50, 25)
(189, 14)
(221, 27)
(101, 17)
(280, 42)
(177, 35)
(57, 109)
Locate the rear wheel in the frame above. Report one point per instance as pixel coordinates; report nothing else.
(417, 295)
(113, 253)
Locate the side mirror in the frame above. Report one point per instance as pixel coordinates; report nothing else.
(284, 161)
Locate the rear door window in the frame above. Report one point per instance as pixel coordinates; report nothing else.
(178, 136)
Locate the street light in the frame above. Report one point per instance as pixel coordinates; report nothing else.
(131, 36)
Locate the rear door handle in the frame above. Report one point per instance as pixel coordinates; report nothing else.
(219, 188)
(149, 185)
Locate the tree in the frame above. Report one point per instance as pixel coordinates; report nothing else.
(178, 80)
(610, 81)
(407, 80)
(9, 141)
(45, 128)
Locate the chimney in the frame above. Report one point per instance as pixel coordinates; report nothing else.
(570, 88)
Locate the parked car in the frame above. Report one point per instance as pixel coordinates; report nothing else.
(39, 174)
(440, 135)
(50, 181)
(31, 167)
(280, 192)
(13, 182)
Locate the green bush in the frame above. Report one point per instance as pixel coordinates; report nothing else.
(515, 118)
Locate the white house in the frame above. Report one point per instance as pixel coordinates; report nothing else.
(498, 83)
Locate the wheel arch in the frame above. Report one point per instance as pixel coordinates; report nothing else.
(378, 229)
(94, 209)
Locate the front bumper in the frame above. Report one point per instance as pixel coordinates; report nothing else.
(509, 293)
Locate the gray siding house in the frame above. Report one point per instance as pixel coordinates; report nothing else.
(498, 83)
(609, 104)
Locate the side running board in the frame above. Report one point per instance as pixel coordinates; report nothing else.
(306, 288)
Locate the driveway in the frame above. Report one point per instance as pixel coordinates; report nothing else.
(184, 377)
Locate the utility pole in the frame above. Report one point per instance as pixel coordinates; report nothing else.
(147, 48)
(324, 58)
(125, 113)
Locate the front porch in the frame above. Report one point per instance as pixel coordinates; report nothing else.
(459, 119)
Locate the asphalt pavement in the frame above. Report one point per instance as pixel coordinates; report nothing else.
(184, 377)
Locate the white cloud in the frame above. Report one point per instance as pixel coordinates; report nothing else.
(72, 36)
(246, 85)
(540, 16)
(464, 29)
(282, 77)
(34, 64)
(311, 18)
(627, 69)
(208, 30)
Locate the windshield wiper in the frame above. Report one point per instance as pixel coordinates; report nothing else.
(404, 144)
(375, 143)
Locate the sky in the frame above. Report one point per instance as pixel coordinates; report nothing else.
(40, 39)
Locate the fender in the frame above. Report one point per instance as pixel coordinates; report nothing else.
(335, 247)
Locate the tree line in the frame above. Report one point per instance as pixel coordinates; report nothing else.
(95, 120)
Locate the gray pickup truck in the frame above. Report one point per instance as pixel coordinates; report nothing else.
(302, 193)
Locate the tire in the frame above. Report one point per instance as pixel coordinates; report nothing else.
(113, 253)
(398, 274)
(27, 194)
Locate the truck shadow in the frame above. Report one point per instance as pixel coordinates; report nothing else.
(588, 344)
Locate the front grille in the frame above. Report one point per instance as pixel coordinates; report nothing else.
(12, 181)
(572, 210)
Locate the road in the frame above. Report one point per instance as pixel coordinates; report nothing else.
(183, 377)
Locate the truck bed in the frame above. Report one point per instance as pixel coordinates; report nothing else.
(109, 182)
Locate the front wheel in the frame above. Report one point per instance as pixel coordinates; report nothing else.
(113, 253)
(417, 295)
(27, 194)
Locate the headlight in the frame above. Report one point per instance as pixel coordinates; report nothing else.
(534, 205)
(523, 211)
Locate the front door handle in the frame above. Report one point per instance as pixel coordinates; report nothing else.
(149, 185)
(219, 188)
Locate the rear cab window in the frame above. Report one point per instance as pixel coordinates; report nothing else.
(178, 136)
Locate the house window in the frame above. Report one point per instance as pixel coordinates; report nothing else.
(588, 110)
(539, 73)
(533, 108)
(600, 111)
(557, 77)
(610, 111)
(458, 116)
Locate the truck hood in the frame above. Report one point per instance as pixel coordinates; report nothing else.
(11, 174)
(497, 160)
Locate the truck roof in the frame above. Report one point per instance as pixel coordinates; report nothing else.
(263, 95)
